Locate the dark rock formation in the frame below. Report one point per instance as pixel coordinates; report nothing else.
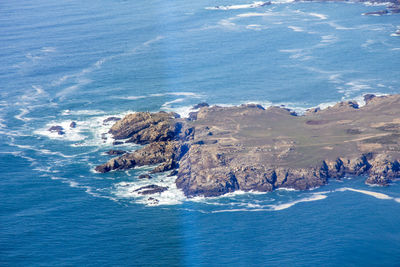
(150, 189)
(110, 119)
(58, 129)
(115, 143)
(145, 176)
(173, 173)
(201, 105)
(72, 125)
(114, 152)
(253, 149)
(167, 154)
(153, 201)
(376, 13)
(368, 97)
(145, 127)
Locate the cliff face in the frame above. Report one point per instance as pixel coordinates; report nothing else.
(220, 150)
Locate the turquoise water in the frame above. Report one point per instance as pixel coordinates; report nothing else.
(85, 61)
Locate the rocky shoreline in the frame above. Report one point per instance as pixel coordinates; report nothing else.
(218, 150)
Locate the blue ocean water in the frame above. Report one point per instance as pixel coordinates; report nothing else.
(85, 61)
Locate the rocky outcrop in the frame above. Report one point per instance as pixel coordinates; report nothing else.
(145, 127)
(384, 169)
(145, 176)
(150, 189)
(249, 148)
(57, 129)
(111, 119)
(114, 152)
(201, 105)
(167, 154)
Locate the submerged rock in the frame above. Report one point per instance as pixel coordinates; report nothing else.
(58, 129)
(377, 13)
(144, 176)
(150, 189)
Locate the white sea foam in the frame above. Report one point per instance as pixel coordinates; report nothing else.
(368, 43)
(368, 3)
(256, 27)
(131, 97)
(282, 2)
(183, 111)
(172, 196)
(226, 23)
(318, 15)
(370, 193)
(31, 95)
(2, 123)
(300, 54)
(186, 94)
(286, 189)
(296, 29)
(355, 86)
(234, 7)
(41, 150)
(85, 112)
(328, 39)
(314, 197)
(21, 115)
(253, 14)
(70, 134)
(168, 103)
(339, 27)
(48, 49)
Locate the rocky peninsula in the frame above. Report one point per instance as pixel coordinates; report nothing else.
(218, 150)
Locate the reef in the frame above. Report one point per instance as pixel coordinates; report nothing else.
(218, 150)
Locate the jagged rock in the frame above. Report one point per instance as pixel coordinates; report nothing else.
(58, 129)
(109, 119)
(201, 105)
(253, 106)
(173, 173)
(145, 127)
(115, 143)
(114, 152)
(368, 98)
(165, 166)
(154, 153)
(192, 116)
(150, 189)
(153, 201)
(312, 110)
(144, 176)
(384, 170)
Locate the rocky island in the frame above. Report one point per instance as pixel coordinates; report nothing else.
(218, 150)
